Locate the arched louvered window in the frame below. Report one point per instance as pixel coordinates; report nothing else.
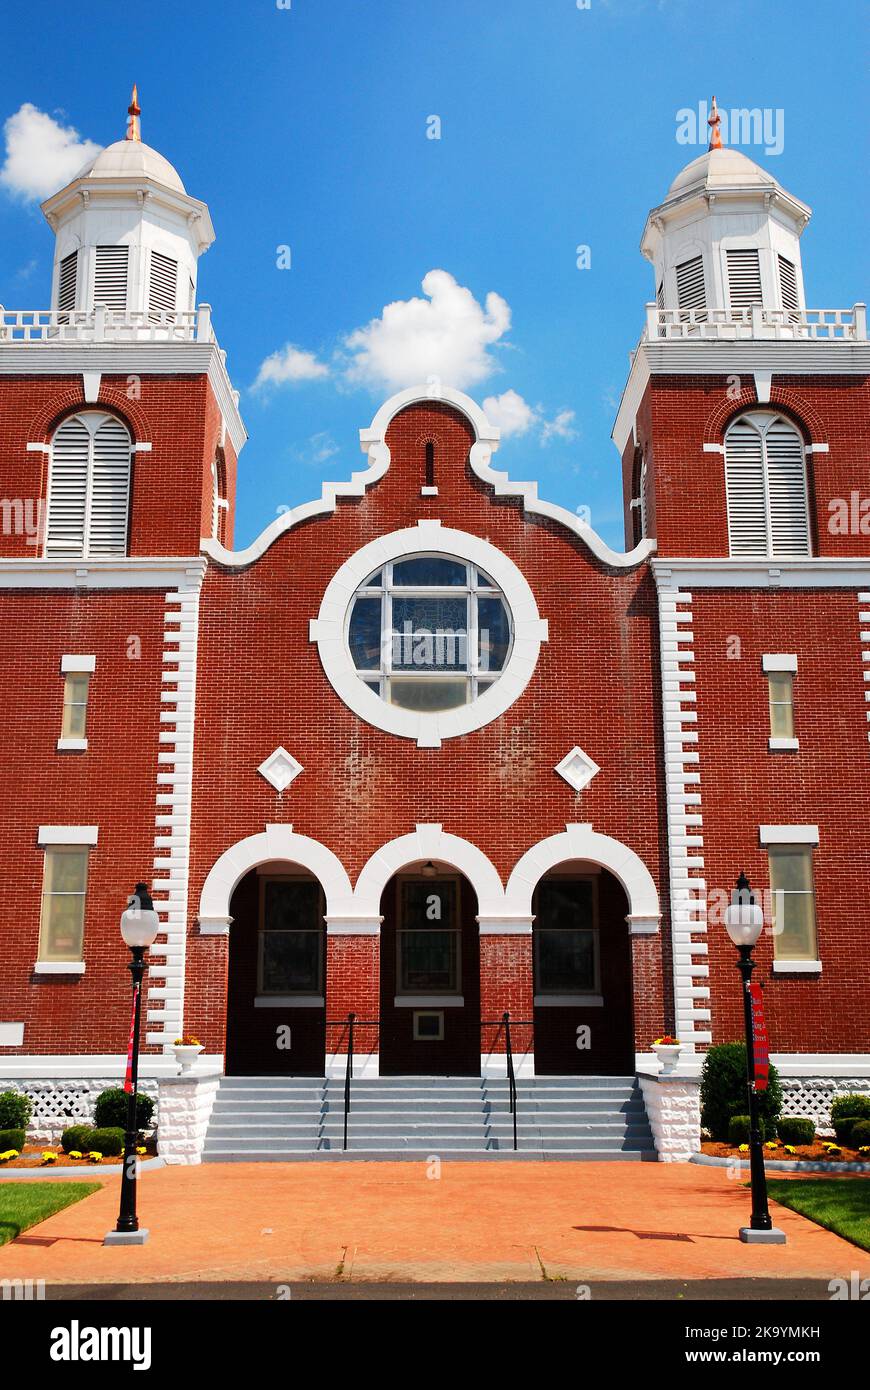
(766, 485)
(88, 487)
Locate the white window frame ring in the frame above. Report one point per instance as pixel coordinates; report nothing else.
(428, 728)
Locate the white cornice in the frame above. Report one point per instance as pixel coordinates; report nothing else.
(374, 445)
(134, 572)
(129, 358)
(818, 572)
(743, 357)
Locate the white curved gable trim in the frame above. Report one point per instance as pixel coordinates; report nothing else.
(582, 842)
(373, 444)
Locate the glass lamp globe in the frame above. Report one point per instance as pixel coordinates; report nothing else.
(743, 922)
(140, 923)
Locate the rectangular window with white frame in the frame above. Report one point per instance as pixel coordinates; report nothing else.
(781, 669)
(76, 672)
(64, 897)
(792, 887)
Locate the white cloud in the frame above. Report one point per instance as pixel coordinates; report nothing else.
(447, 335)
(510, 413)
(560, 427)
(514, 416)
(41, 154)
(288, 365)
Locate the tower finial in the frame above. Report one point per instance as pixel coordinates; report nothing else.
(133, 113)
(714, 120)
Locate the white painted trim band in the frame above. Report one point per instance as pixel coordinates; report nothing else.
(67, 835)
(788, 834)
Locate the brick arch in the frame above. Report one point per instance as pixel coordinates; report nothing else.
(70, 401)
(782, 400)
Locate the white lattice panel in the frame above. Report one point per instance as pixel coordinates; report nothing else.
(811, 1097)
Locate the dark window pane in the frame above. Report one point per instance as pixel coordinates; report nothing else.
(494, 634)
(374, 581)
(566, 961)
(428, 570)
(292, 904)
(564, 902)
(420, 694)
(428, 903)
(428, 960)
(364, 634)
(430, 634)
(291, 962)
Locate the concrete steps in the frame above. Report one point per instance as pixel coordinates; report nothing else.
(282, 1119)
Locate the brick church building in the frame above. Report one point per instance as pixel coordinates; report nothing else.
(428, 751)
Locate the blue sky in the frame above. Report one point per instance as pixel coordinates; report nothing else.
(307, 127)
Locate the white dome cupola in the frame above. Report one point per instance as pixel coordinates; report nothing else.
(726, 239)
(128, 236)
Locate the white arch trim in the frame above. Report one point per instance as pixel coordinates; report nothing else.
(374, 445)
(276, 842)
(582, 842)
(429, 842)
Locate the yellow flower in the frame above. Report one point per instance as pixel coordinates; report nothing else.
(141, 1149)
(864, 1149)
(95, 1157)
(744, 1148)
(789, 1148)
(49, 1156)
(74, 1153)
(9, 1154)
(771, 1144)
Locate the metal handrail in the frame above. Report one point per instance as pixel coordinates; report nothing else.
(512, 1080)
(351, 1022)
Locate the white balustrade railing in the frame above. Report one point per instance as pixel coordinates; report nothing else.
(848, 325)
(101, 325)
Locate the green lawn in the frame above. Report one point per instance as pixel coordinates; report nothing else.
(841, 1205)
(25, 1204)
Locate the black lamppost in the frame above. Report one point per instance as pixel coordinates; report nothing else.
(139, 927)
(743, 921)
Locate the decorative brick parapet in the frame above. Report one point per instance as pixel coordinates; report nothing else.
(185, 1109)
(673, 1110)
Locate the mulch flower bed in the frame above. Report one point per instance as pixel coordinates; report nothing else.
(815, 1152)
(33, 1156)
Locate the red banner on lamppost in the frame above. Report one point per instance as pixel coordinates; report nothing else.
(128, 1075)
(760, 1052)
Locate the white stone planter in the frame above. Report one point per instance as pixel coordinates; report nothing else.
(185, 1055)
(668, 1055)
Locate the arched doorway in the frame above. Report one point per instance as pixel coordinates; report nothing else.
(584, 1018)
(276, 988)
(430, 974)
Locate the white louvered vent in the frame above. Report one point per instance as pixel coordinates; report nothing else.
(110, 489)
(787, 490)
(765, 482)
(162, 285)
(110, 277)
(88, 488)
(744, 278)
(690, 286)
(66, 283)
(68, 490)
(788, 287)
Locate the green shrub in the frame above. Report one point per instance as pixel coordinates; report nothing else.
(852, 1106)
(723, 1090)
(11, 1139)
(795, 1129)
(74, 1138)
(15, 1110)
(738, 1129)
(108, 1141)
(111, 1110)
(860, 1134)
(843, 1128)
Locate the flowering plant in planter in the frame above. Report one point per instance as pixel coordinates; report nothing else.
(186, 1048)
(667, 1049)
